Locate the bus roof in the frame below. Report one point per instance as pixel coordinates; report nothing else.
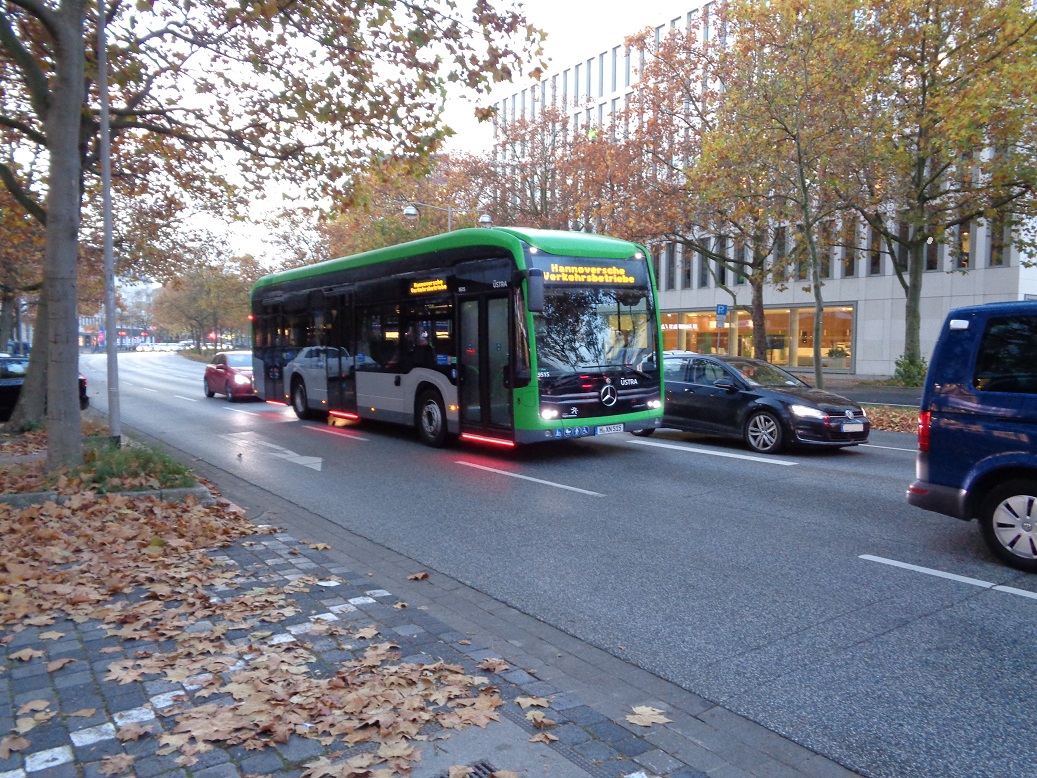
(558, 242)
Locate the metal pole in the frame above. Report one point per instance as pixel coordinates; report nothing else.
(114, 415)
(449, 219)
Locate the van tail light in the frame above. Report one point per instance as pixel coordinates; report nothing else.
(924, 420)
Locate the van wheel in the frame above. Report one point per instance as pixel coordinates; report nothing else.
(431, 419)
(1008, 521)
(299, 401)
(763, 433)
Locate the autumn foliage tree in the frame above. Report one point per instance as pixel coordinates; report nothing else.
(276, 92)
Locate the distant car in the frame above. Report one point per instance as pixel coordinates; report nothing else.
(12, 376)
(230, 373)
(769, 408)
(977, 424)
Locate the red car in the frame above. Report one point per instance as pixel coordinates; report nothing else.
(230, 373)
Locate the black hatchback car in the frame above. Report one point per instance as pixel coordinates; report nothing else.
(12, 376)
(754, 400)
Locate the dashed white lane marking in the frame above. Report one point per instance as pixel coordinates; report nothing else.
(694, 450)
(340, 433)
(189, 399)
(529, 478)
(888, 448)
(950, 576)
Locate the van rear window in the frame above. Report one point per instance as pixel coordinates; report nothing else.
(1007, 359)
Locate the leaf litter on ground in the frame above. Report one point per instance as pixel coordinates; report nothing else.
(142, 567)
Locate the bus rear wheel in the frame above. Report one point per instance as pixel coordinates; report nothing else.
(299, 401)
(431, 419)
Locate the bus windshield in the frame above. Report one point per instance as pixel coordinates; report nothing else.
(593, 329)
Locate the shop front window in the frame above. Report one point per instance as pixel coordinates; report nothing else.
(836, 338)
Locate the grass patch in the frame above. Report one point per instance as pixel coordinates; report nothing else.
(106, 468)
(110, 469)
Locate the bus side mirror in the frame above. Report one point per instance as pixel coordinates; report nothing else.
(535, 290)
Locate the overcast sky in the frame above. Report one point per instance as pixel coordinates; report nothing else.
(576, 30)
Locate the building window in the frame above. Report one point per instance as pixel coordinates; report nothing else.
(671, 266)
(703, 269)
(576, 84)
(740, 262)
(874, 252)
(685, 267)
(997, 248)
(626, 66)
(601, 75)
(721, 250)
(964, 246)
(588, 91)
(615, 68)
(778, 254)
(932, 254)
(826, 243)
(849, 246)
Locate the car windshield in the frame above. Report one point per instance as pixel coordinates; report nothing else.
(239, 360)
(592, 329)
(763, 374)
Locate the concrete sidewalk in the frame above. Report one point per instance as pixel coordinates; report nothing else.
(588, 692)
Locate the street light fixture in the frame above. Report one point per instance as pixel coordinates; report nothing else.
(410, 210)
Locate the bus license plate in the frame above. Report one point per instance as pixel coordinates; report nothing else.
(607, 428)
(853, 426)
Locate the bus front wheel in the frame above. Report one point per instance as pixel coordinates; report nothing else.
(431, 419)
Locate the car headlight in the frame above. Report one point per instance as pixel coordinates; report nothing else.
(806, 412)
(242, 380)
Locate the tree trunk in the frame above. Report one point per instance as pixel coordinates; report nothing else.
(913, 304)
(64, 434)
(759, 321)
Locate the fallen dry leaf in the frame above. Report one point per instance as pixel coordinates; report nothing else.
(133, 731)
(27, 654)
(543, 737)
(400, 605)
(57, 664)
(319, 546)
(51, 635)
(419, 577)
(494, 665)
(84, 712)
(645, 716)
(526, 702)
(117, 763)
(539, 719)
(11, 743)
(33, 706)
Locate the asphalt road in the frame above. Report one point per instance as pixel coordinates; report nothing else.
(798, 590)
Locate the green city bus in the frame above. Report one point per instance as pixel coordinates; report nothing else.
(501, 335)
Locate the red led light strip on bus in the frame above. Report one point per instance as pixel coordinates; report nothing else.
(484, 439)
(344, 415)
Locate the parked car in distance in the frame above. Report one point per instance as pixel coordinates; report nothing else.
(12, 376)
(769, 408)
(977, 427)
(230, 373)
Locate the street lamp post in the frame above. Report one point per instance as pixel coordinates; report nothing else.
(410, 210)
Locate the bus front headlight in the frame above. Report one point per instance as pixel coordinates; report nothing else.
(549, 413)
(655, 402)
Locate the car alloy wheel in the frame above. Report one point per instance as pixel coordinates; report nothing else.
(763, 433)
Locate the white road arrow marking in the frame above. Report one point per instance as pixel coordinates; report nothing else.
(280, 452)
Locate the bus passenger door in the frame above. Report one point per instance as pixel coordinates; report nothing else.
(341, 370)
(485, 345)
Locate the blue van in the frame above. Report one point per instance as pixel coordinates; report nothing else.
(977, 427)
